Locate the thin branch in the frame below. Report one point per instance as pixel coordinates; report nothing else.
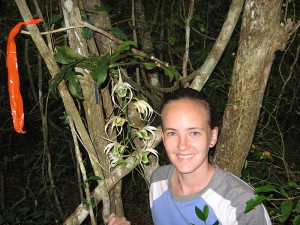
(203, 35)
(83, 172)
(187, 38)
(135, 39)
(54, 31)
(29, 73)
(202, 74)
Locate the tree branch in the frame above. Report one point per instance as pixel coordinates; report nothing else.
(202, 74)
(187, 38)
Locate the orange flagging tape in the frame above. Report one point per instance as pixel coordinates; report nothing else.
(15, 98)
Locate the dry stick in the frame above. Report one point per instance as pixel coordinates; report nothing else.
(2, 200)
(203, 35)
(43, 112)
(162, 30)
(83, 172)
(137, 71)
(187, 38)
(40, 15)
(32, 87)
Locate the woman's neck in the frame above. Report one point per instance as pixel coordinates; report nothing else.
(187, 184)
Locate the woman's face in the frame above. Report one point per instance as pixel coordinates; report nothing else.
(187, 135)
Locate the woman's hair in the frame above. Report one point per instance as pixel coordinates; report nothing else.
(193, 95)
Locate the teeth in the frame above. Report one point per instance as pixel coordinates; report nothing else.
(185, 156)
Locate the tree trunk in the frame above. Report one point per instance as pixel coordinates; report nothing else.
(262, 35)
(105, 46)
(145, 40)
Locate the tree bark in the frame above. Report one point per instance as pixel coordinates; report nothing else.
(93, 110)
(262, 35)
(145, 39)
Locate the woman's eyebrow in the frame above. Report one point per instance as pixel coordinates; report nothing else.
(190, 128)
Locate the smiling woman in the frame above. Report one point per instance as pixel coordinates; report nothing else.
(187, 138)
(191, 190)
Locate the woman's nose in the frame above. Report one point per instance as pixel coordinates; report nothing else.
(183, 143)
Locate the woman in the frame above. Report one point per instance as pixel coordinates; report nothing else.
(191, 190)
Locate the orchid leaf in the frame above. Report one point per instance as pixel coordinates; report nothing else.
(100, 73)
(66, 55)
(73, 84)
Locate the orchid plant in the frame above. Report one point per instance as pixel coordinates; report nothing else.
(118, 128)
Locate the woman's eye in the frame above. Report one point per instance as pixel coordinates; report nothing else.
(194, 133)
(171, 134)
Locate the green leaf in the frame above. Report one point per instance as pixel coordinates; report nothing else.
(87, 64)
(171, 72)
(254, 202)
(100, 72)
(286, 209)
(266, 188)
(42, 190)
(66, 55)
(172, 40)
(283, 192)
(53, 83)
(95, 60)
(54, 19)
(297, 207)
(95, 178)
(178, 50)
(130, 63)
(293, 184)
(246, 164)
(149, 66)
(73, 84)
(87, 33)
(200, 214)
(118, 33)
(296, 221)
(125, 46)
(138, 57)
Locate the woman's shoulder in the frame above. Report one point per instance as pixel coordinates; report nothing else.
(231, 186)
(161, 173)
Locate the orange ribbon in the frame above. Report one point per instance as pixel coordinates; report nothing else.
(15, 98)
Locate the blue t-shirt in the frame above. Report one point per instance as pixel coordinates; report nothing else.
(222, 202)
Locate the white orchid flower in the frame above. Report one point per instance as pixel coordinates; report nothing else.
(116, 147)
(121, 89)
(143, 108)
(114, 159)
(143, 133)
(143, 157)
(116, 122)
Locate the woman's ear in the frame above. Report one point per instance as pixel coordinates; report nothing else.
(214, 137)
